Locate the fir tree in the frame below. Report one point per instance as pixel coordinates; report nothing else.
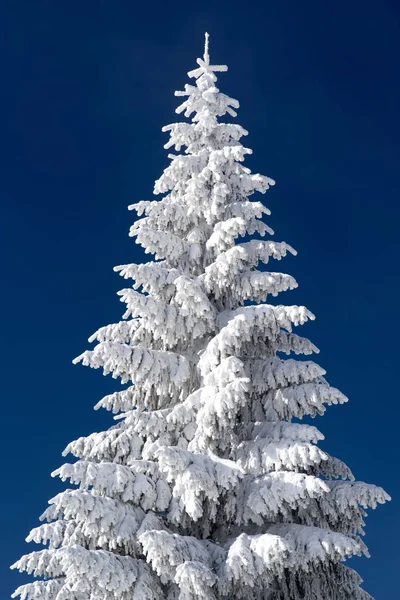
(208, 486)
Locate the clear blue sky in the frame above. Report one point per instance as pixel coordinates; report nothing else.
(86, 88)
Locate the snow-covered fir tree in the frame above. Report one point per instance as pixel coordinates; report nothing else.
(208, 486)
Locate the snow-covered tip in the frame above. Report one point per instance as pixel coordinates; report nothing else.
(206, 56)
(204, 63)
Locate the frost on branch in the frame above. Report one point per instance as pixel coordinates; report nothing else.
(93, 574)
(138, 483)
(208, 486)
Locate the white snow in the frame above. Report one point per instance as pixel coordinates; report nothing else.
(207, 487)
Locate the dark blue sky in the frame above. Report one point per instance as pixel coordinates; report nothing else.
(86, 88)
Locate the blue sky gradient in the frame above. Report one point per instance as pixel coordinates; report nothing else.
(86, 88)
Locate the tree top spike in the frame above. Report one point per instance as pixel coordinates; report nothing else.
(206, 54)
